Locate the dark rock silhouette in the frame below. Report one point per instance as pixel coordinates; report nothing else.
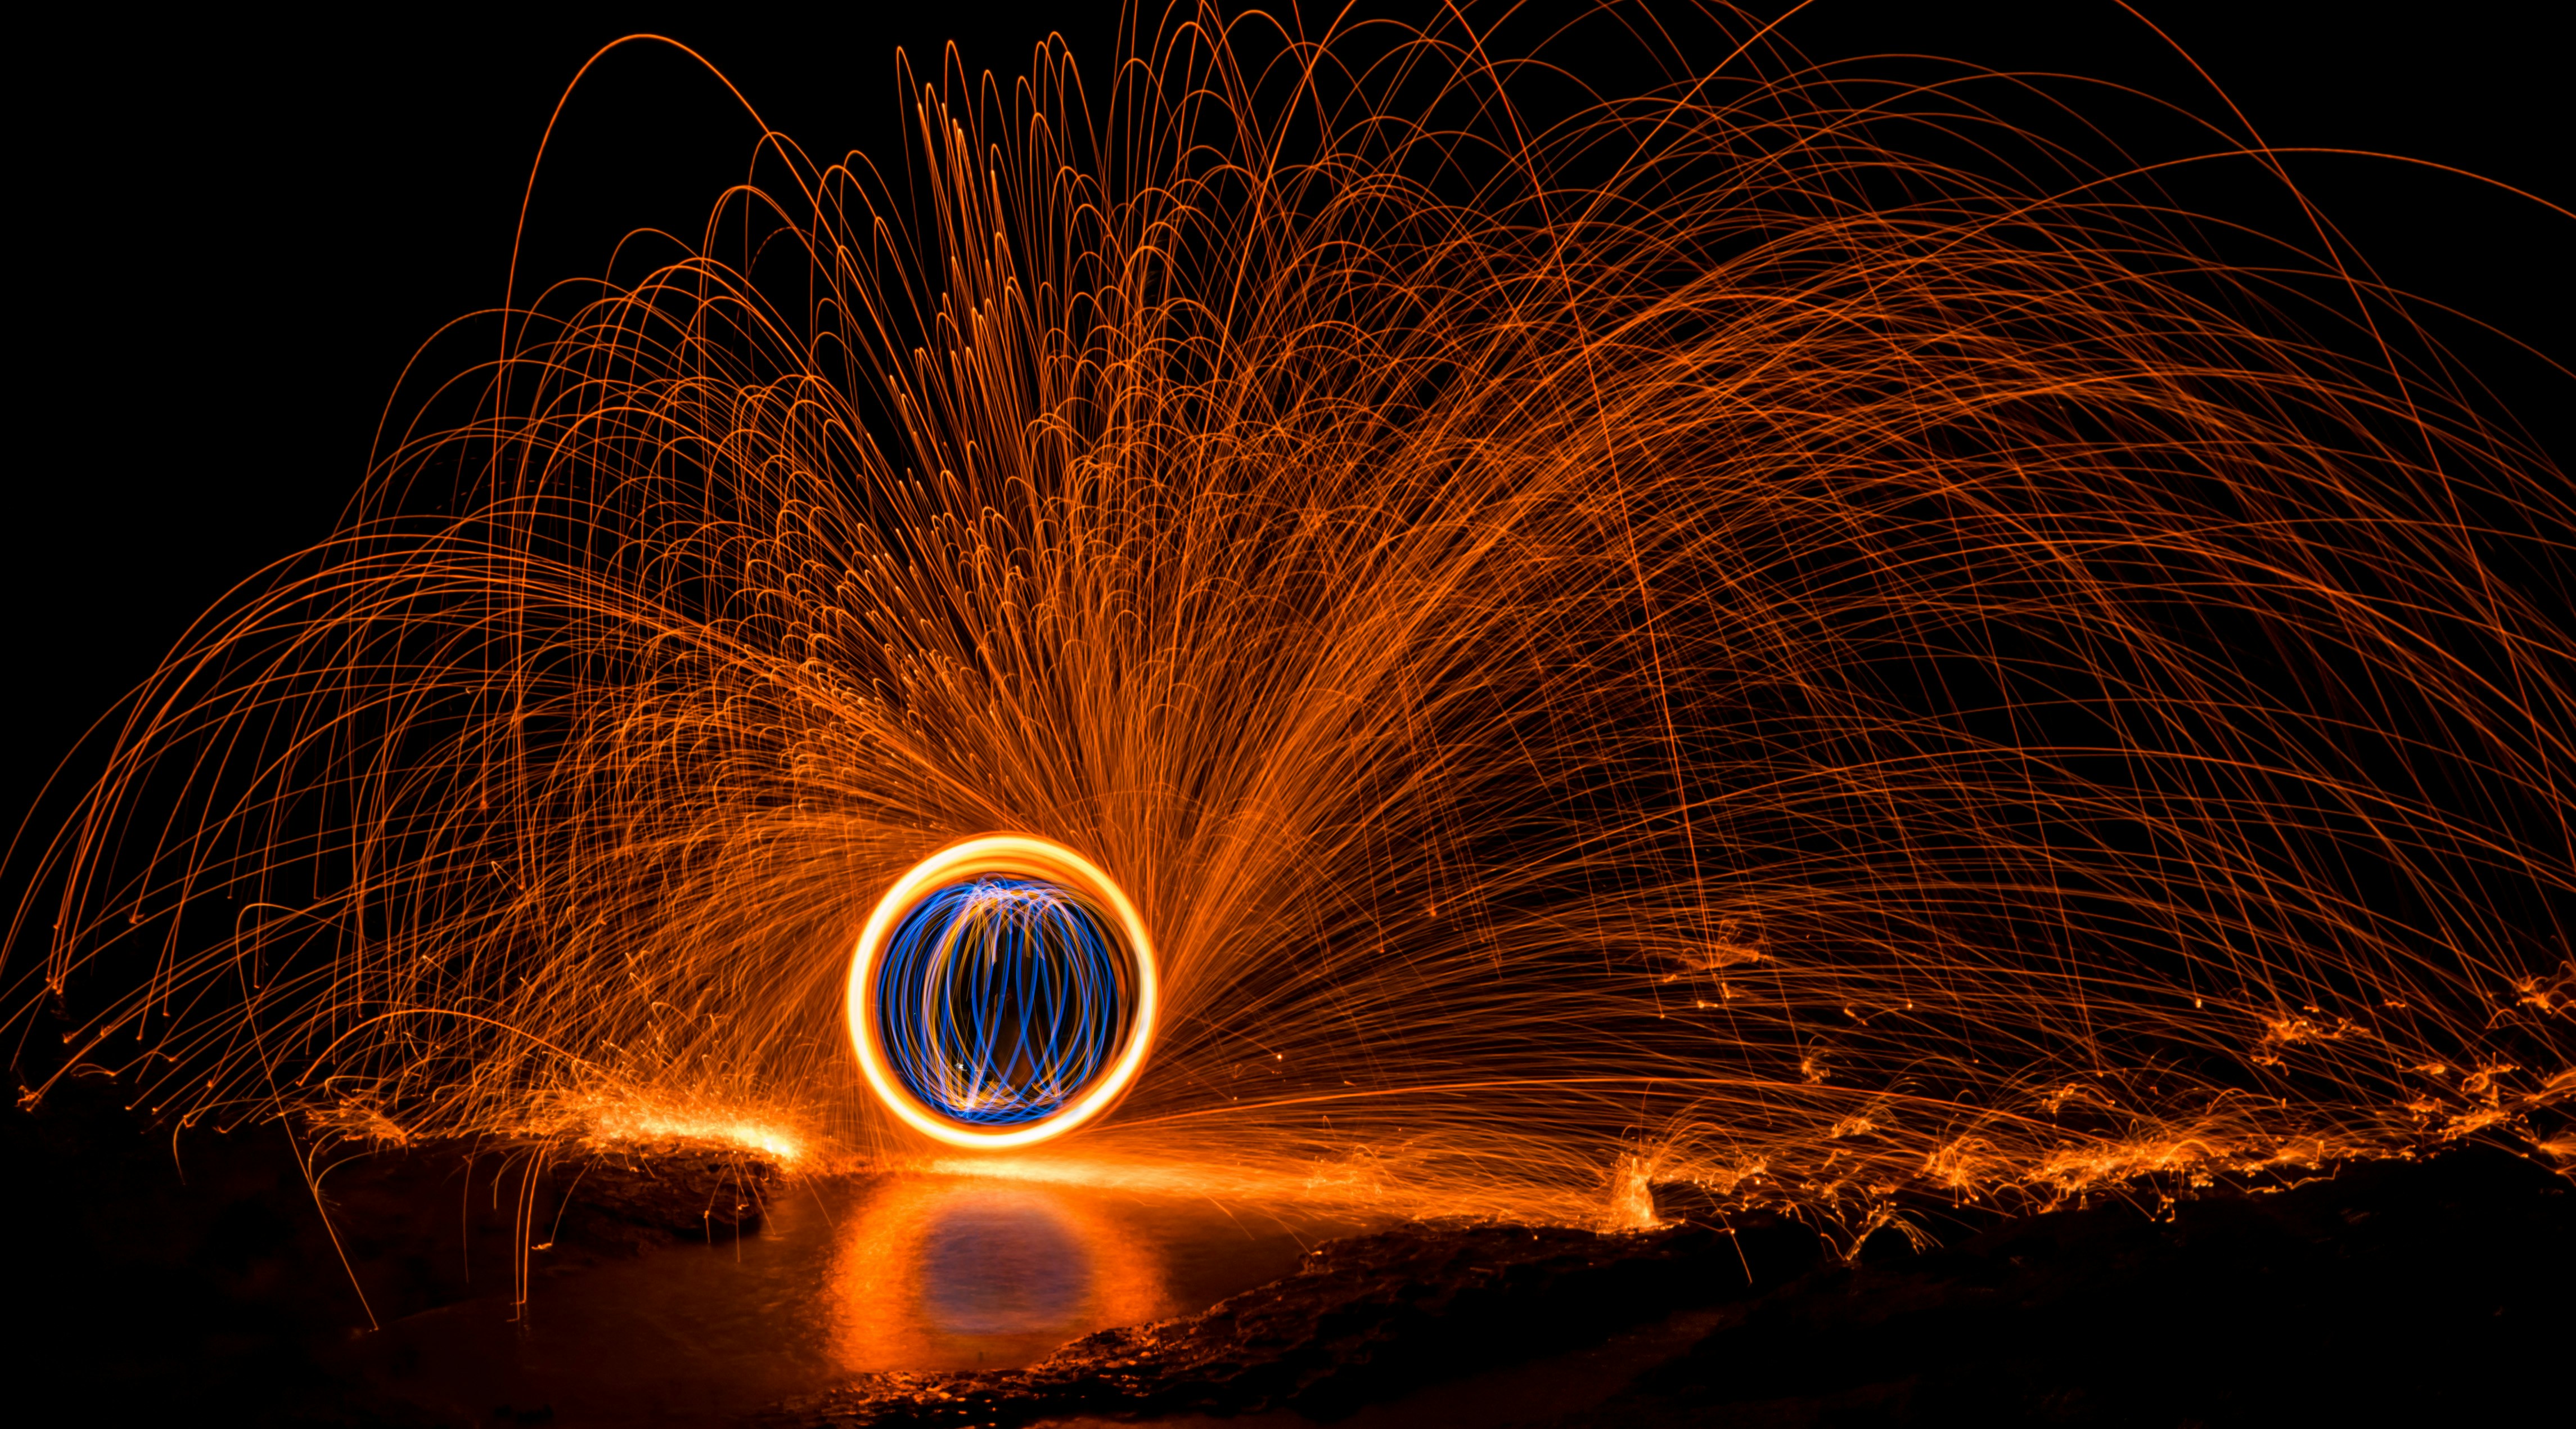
(2435, 1287)
(180, 1282)
(186, 1268)
(2391, 1292)
(1368, 1318)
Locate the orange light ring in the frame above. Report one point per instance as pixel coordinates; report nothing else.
(1023, 856)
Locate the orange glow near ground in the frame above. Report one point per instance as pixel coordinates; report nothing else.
(897, 1302)
(732, 1132)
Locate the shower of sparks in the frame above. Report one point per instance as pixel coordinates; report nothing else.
(1694, 640)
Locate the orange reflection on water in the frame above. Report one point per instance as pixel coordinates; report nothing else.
(958, 1273)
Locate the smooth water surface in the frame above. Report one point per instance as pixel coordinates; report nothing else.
(847, 1278)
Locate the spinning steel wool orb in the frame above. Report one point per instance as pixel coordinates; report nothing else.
(1003, 993)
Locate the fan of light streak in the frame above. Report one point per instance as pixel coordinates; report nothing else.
(1766, 626)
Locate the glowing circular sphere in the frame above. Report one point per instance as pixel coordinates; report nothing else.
(1004, 992)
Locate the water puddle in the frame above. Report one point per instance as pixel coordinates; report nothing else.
(847, 1278)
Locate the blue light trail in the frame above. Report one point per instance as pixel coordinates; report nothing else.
(1000, 999)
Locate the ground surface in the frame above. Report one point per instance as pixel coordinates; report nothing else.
(172, 1289)
(2393, 1292)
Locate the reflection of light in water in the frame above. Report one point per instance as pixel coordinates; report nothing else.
(1002, 1262)
(940, 1272)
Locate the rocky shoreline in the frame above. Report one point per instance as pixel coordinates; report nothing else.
(2438, 1285)
(2435, 1289)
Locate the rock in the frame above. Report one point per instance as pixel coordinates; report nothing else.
(2420, 1287)
(1886, 1245)
(2431, 1292)
(1770, 1246)
(429, 1212)
(188, 1268)
(1367, 1318)
(644, 1196)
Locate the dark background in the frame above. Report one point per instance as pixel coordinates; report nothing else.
(236, 232)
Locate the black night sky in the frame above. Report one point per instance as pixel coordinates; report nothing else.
(238, 228)
(247, 227)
